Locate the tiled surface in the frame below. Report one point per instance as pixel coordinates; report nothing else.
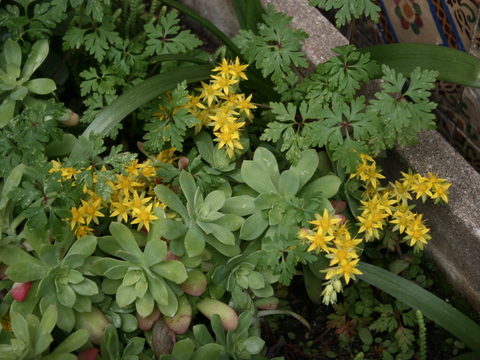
(452, 23)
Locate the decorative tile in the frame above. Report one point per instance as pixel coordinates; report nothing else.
(450, 23)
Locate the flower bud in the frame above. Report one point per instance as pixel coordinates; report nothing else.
(183, 163)
(337, 284)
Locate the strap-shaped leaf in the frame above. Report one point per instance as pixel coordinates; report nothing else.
(453, 65)
(141, 93)
(429, 304)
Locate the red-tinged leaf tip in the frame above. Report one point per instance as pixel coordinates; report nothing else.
(88, 354)
(196, 282)
(171, 256)
(20, 290)
(342, 218)
(146, 323)
(229, 317)
(266, 303)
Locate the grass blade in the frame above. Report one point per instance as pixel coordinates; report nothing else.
(141, 93)
(431, 306)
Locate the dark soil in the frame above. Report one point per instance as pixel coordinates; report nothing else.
(285, 336)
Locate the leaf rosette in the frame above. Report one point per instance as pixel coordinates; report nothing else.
(56, 279)
(143, 279)
(15, 83)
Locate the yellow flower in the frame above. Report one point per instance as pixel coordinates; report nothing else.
(126, 184)
(422, 187)
(224, 82)
(148, 170)
(347, 269)
(401, 218)
(194, 103)
(69, 172)
(167, 156)
(440, 192)
(325, 222)
(210, 93)
(319, 240)
(138, 200)
(223, 68)
(121, 209)
(245, 105)
(370, 226)
(83, 231)
(417, 233)
(401, 191)
(77, 217)
(223, 117)
(338, 255)
(133, 167)
(143, 217)
(229, 139)
(237, 69)
(91, 210)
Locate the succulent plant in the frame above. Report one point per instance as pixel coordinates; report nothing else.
(55, 277)
(15, 83)
(141, 278)
(30, 338)
(283, 200)
(240, 278)
(202, 221)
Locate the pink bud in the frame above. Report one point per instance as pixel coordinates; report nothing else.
(88, 354)
(339, 206)
(183, 162)
(20, 290)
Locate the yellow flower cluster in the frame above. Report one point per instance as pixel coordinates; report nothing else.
(218, 105)
(331, 235)
(382, 207)
(226, 111)
(132, 200)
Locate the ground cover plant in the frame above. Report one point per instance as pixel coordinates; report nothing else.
(198, 184)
